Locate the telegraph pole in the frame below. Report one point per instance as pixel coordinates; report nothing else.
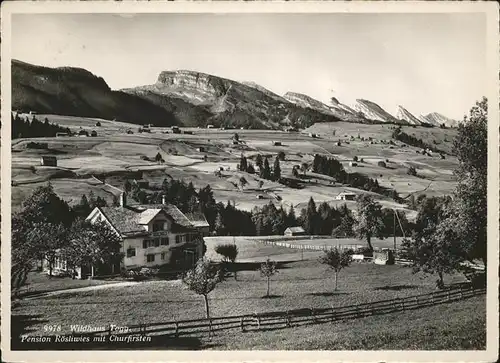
(394, 219)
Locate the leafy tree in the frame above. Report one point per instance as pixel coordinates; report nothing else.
(295, 172)
(281, 155)
(412, 171)
(336, 259)
(202, 280)
(277, 169)
(369, 221)
(219, 224)
(92, 245)
(261, 184)
(236, 136)
(229, 252)
(265, 172)
(310, 217)
(242, 182)
(259, 161)
(243, 163)
(470, 196)
(267, 270)
(250, 169)
(304, 167)
(158, 158)
(345, 227)
(435, 249)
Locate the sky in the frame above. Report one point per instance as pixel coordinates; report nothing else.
(424, 62)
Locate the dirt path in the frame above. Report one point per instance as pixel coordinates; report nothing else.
(86, 288)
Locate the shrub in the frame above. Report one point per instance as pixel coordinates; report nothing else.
(382, 164)
(412, 171)
(355, 158)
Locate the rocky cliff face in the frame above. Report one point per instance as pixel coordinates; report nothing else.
(372, 111)
(77, 92)
(229, 103)
(405, 115)
(265, 91)
(438, 119)
(337, 109)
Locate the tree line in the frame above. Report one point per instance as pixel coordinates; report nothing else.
(400, 135)
(34, 128)
(332, 167)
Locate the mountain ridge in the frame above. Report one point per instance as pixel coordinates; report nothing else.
(187, 98)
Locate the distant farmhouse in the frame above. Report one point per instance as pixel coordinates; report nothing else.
(346, 196)
(48, 161)
(151, 235)
(294, 231)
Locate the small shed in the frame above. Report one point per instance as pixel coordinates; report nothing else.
(236, 142)
(201, 149)
(48, 161)
(384, 257)
(346, 196)
(277, 143)
(353, 163)
(210, 126)
(294, 231)
(62, 134)
(175, 130)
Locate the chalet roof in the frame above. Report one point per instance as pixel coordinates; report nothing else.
(132, 218)
(197, 219)
(295, 229)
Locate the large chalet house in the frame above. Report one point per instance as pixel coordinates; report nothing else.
(152, 235)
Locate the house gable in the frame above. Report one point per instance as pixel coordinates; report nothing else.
(98, 216)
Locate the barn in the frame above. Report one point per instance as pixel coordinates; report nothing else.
(48, 161)
(294, 231)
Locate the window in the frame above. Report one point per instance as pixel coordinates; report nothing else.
(177, 239)
(157, 242)
(149, 243)
(164, 241)
(131, 252)
(150, 258)
(158, 226)
(163, 255)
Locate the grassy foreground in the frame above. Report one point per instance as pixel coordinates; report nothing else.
(301, 284)
(459, 325)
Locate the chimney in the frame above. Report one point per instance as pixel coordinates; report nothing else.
(163, 199)
(123, 199)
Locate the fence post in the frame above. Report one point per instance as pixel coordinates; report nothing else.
(334, 315)
(448, 296)
(257, 317)
(176, 329)
(210, 330)
(242, 325)
(288, 320)
(313, 313)
(403, 304)
(416, 301)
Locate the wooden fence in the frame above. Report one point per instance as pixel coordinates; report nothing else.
(296, 317)
(307, 247)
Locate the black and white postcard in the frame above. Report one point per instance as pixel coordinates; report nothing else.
(249, 181)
